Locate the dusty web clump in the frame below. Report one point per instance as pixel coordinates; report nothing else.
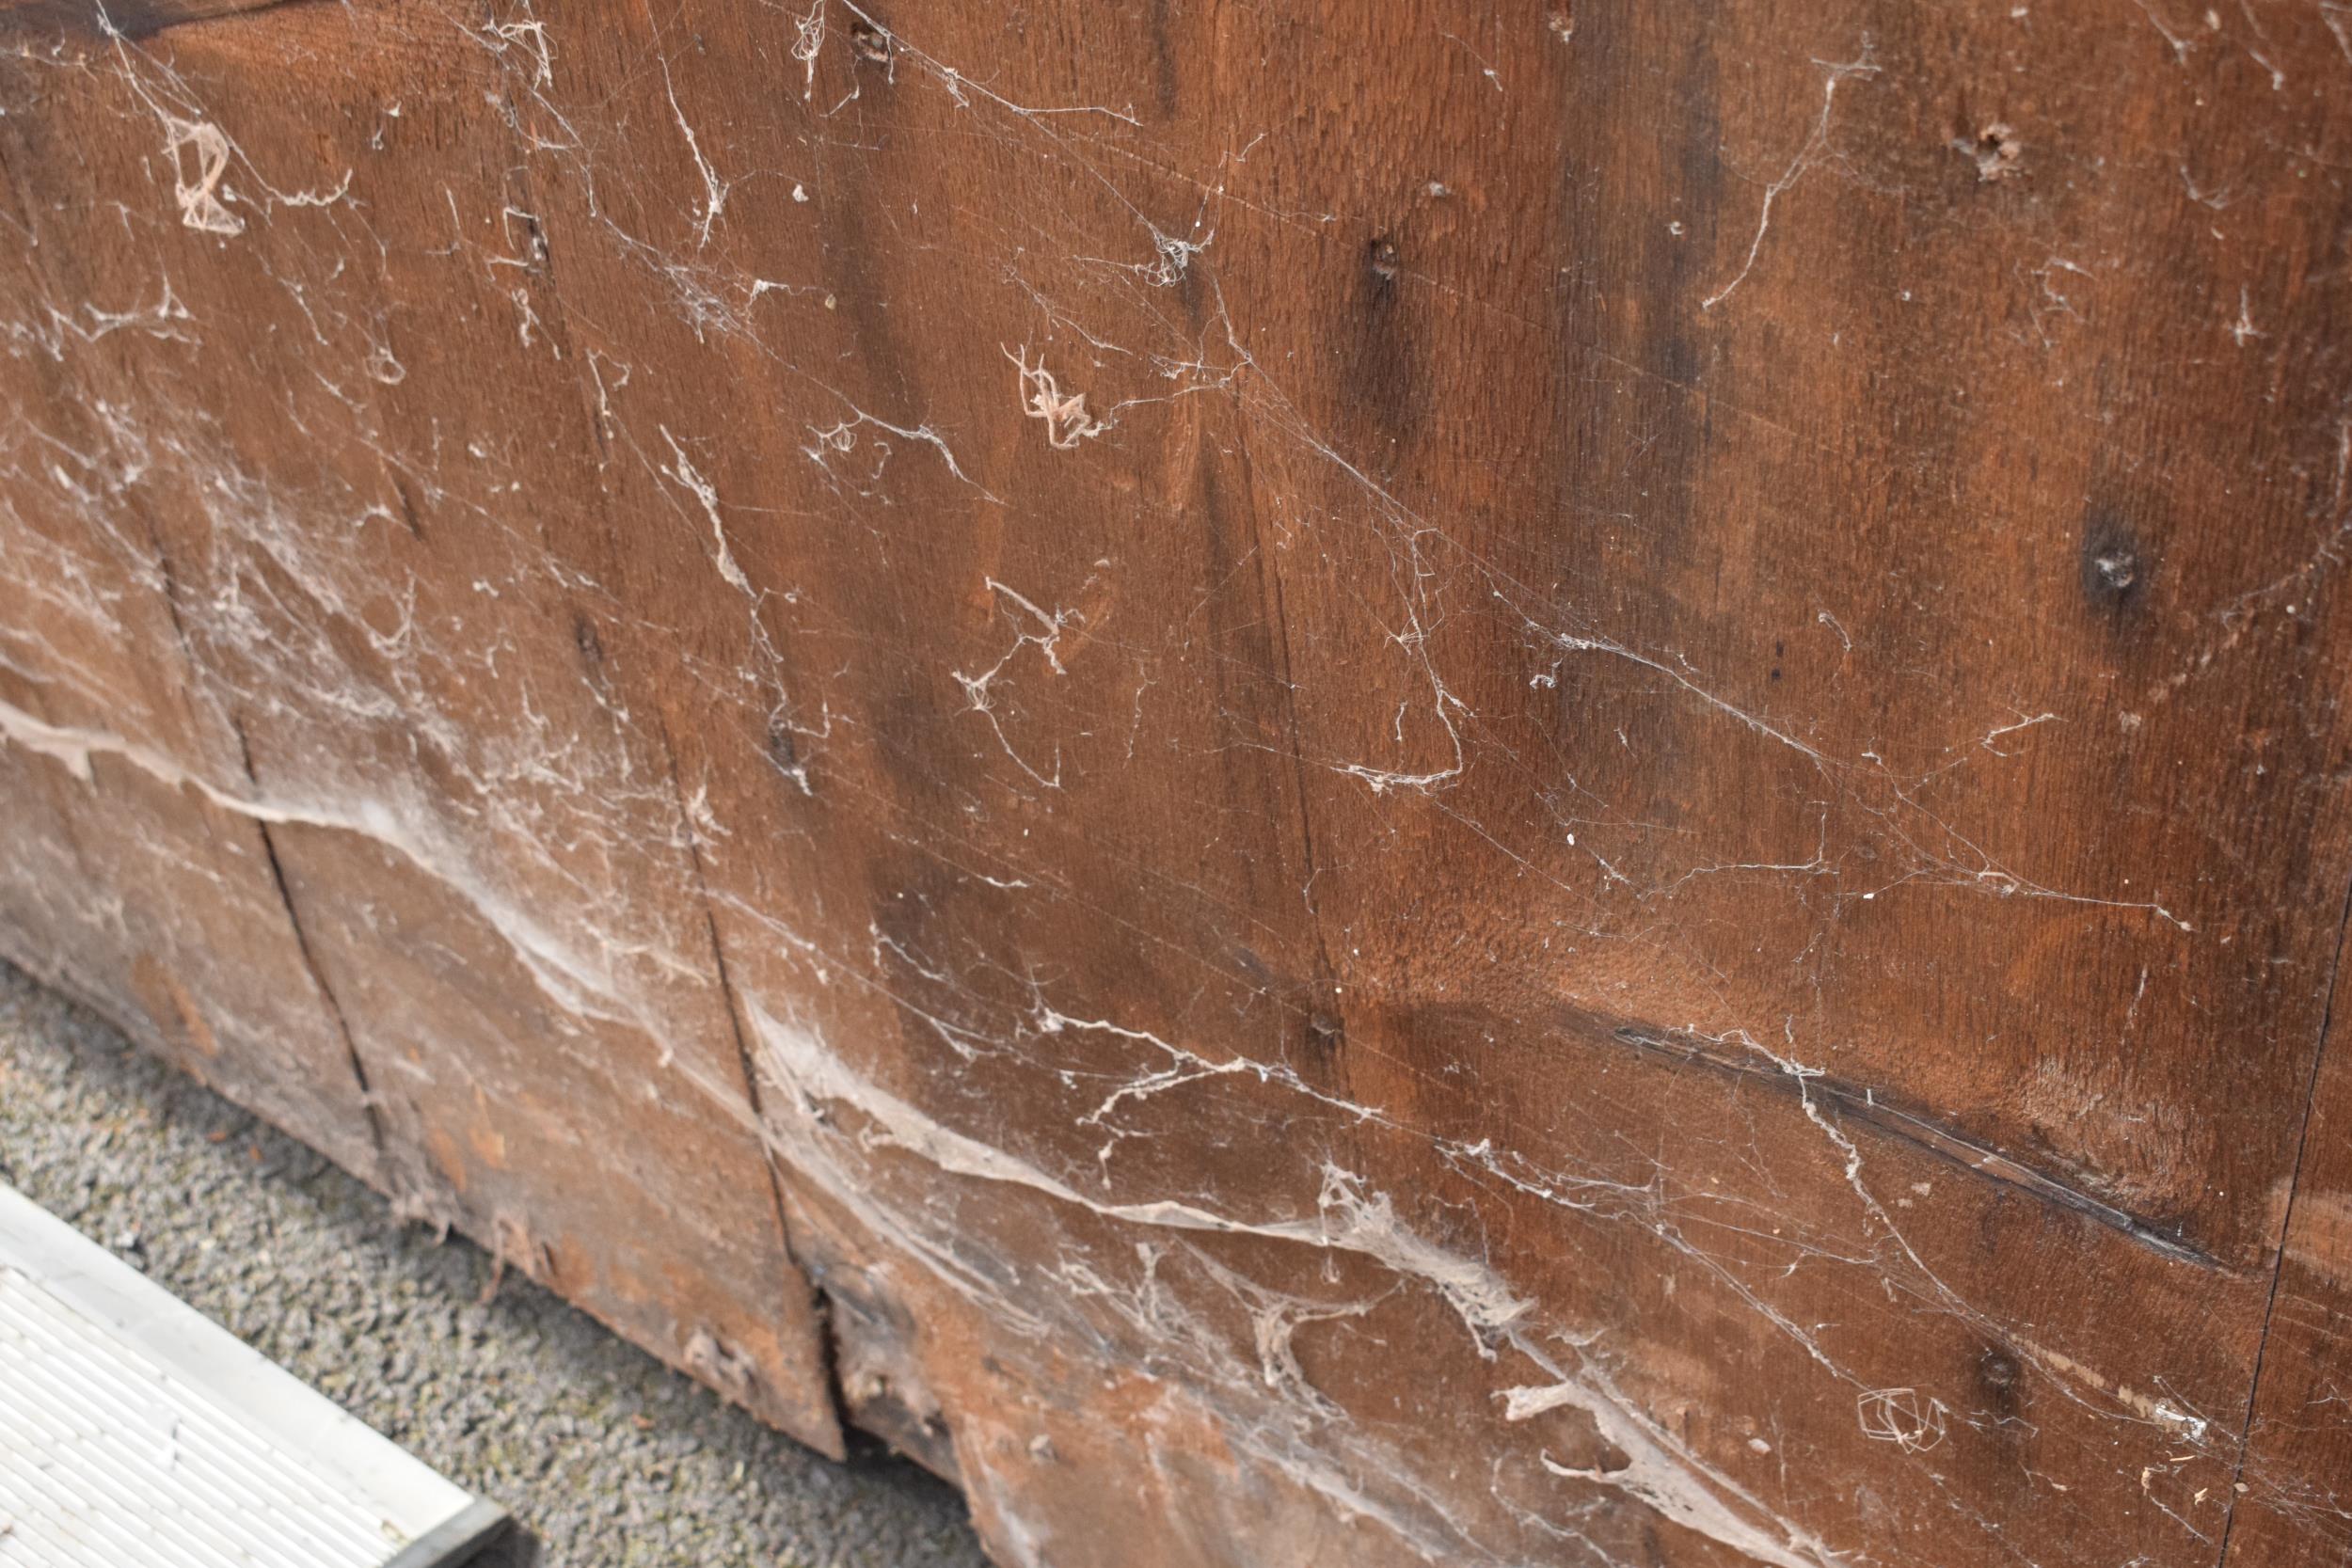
(1067, 421)
(1903, 1417)
(200, 157)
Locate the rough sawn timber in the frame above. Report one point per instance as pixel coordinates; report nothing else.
(1336, 784)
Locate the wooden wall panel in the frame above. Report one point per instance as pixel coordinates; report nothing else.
(487, 862)
(1323, 784)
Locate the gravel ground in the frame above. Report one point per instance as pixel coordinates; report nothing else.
(608, 1459)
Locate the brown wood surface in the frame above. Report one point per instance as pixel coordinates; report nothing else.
(1318, 784)
(2297, 1447)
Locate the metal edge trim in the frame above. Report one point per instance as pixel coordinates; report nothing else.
(456, 1538)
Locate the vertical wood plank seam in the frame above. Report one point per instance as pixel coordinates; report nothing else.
(1290, 701)
(827, 1370)
(558, 325)
(385, 1167)
(198, 671)
(2286, 1228)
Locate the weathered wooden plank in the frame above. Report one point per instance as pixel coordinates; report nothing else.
(2294, 1475)
(427, 812)
(1473, 785)
(149, 899)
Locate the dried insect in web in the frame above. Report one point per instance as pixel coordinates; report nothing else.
(1067, 421)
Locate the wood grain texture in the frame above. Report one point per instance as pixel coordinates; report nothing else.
(29, 20)
(2298, 1446)
(1325, 784)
